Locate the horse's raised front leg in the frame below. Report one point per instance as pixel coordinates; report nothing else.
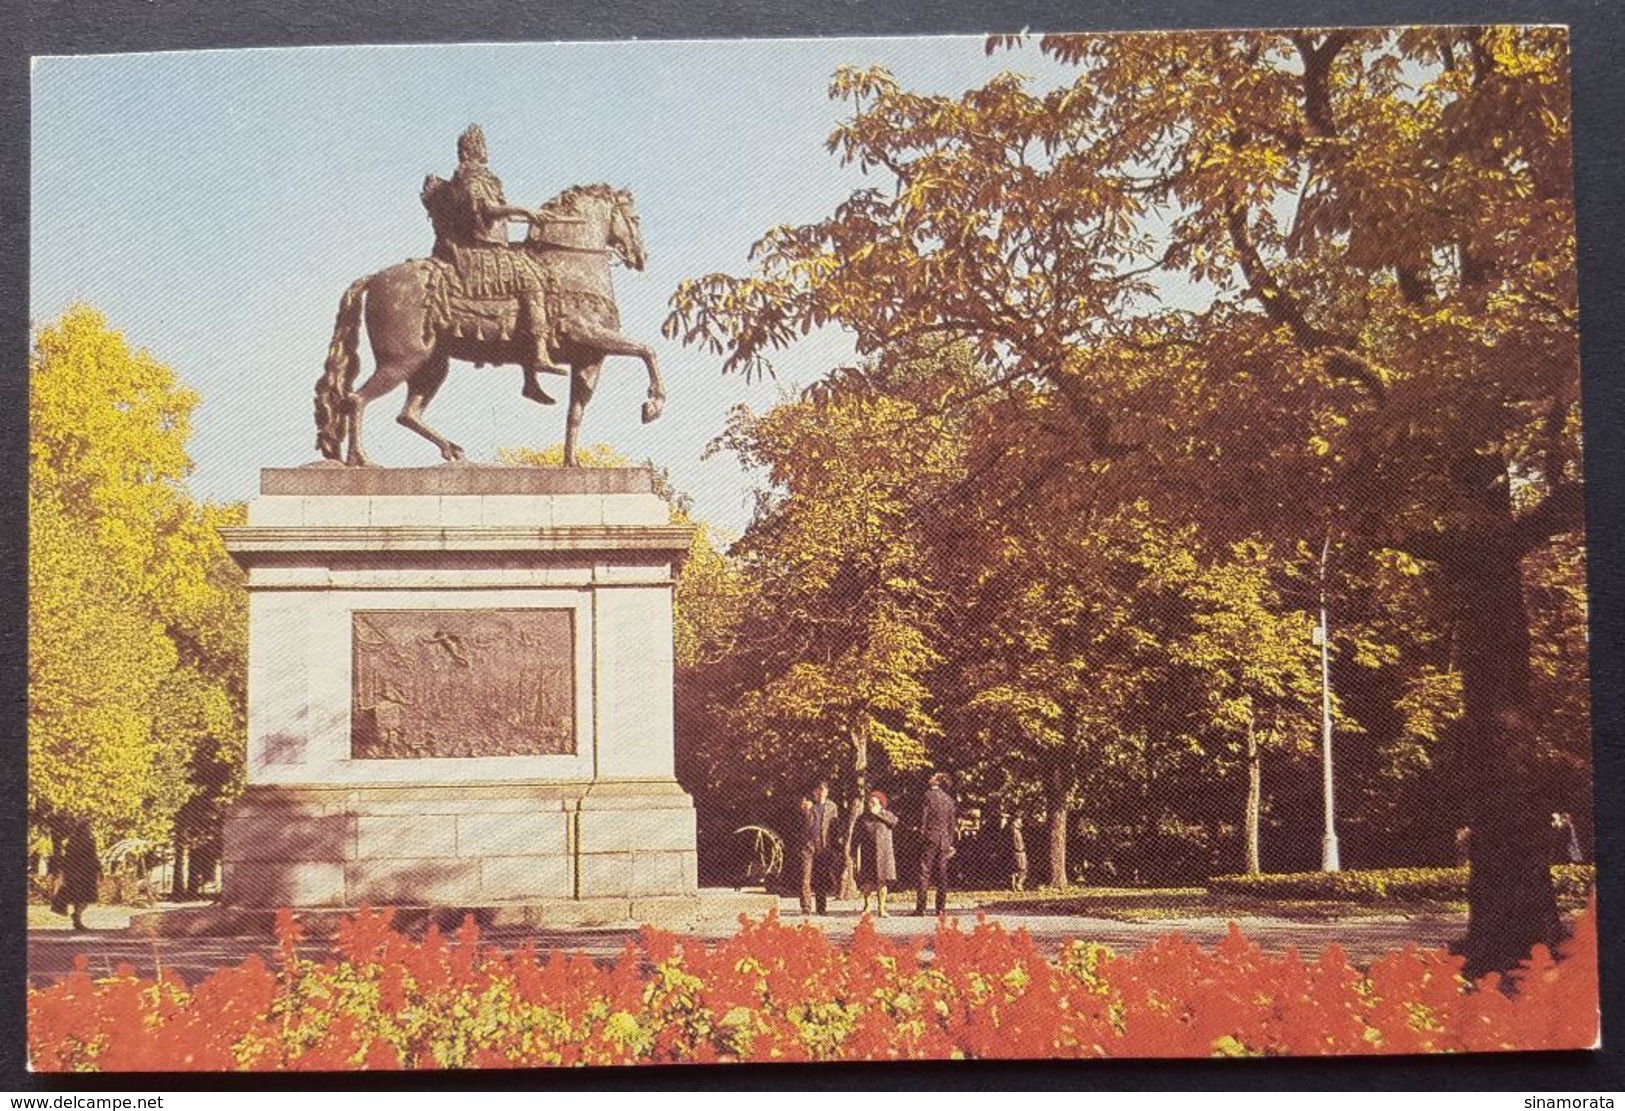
(583, 381)
(609, 342)
(420, 390)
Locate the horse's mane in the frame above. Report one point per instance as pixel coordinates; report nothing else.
(568, 202)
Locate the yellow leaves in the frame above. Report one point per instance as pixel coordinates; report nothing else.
(1515, 57)
(123, 570)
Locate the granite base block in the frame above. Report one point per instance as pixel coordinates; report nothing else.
(459, 845)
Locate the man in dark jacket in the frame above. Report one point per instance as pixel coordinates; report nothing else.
(937, 824)
(817, 823)
(81, 871)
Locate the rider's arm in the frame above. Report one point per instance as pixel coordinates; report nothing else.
(541, 215)
(529, 215)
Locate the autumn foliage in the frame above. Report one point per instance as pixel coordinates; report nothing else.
(778, 993)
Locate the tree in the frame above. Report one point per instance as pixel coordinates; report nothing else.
(1054, 648)
(138, 617)
(1254, 664)
(1426, 272)
(97, 659)
(837, 643)
(1377, 338)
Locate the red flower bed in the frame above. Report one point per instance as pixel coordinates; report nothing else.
(774, 992)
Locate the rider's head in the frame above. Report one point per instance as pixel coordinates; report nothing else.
(471, 144)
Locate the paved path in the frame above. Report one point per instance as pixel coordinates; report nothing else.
(51, 953)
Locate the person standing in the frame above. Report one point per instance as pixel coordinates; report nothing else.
(817, 821)
(879, 868)
(938, 818)
(81, 870)
(1018, 848)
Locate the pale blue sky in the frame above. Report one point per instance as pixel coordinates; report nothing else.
(215, 204)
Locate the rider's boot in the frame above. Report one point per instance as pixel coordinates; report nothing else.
(533, 388)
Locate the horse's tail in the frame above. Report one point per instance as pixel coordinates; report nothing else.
(339, 375)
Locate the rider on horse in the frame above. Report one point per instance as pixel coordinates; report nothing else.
(470, 218)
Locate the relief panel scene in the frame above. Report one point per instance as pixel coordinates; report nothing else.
(450, 683)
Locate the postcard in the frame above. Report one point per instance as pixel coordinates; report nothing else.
(1044, 546)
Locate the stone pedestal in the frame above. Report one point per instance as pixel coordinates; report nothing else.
(459, 692)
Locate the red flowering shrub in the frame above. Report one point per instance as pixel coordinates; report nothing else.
(778, 993)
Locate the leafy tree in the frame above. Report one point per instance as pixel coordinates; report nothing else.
(837, 642)
(1055, 649)
(1254, 664)
(138, 618)
(1377, 333)
(827, 672)
(97, 659)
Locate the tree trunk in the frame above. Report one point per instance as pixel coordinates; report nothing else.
(860, 767)
(1511, 904)
(1254, 800)
(1058, 818)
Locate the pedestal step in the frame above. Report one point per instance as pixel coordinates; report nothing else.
(718, 908)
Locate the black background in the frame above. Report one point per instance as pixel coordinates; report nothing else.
(34, 27)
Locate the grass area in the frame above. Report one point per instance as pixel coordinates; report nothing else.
(1302, 896)
(1143, 904)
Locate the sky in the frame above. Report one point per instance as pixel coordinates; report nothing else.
(214, 205)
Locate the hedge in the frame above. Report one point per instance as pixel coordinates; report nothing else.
(1572, 881)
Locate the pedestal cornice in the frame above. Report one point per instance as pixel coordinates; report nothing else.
(251, 544)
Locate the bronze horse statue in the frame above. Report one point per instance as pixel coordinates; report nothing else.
(416, 328)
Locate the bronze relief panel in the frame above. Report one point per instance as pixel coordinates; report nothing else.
(462, 683)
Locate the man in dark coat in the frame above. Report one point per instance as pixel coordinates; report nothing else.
(817, 823)
(937, 825)
(81, 870)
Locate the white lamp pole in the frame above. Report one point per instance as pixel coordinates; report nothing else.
(1328, 844)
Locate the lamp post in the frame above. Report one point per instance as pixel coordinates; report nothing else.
(1322, 636)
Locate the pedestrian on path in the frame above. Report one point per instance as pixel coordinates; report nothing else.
(817, 820)
(938, 818)
(879, 869)
(81, 870)
(1018, 852)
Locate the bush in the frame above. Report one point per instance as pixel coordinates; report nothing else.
(1572, 881)
(775, 993)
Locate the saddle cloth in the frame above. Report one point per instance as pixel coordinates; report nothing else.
(477, 297)
(483, 273)
(481, 301)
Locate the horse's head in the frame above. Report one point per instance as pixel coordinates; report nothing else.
(598, 216)
(626, 232)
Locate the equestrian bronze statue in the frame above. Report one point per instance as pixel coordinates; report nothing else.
(546, 304)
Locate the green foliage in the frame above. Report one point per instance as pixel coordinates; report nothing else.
(839, 615)
(1251, 654)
